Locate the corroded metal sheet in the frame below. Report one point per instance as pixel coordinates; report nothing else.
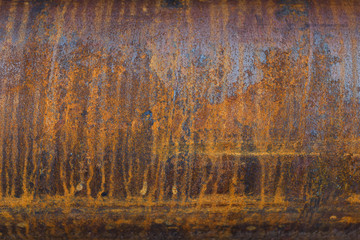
(179, 119)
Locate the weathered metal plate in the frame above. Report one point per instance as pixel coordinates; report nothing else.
(179, 119)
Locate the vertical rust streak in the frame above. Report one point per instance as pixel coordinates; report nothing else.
(173, 34)
(336, 12)
(259, 121)
(270, 9)
(105, 107)
(51, 111)
(212, 38)
(67, 128)
(84, 161)
(70, 131)
(94, 104)
(116, 133)
(91, 131)
(351, 12)
(132, 6)
(175, 64)
(113, 140)
(279, 193)
(125, 111)
(118, 116)
(154, 151)
(305, 95)
(22, 33)
(35, 147)
(227, 51)
(190, 92)
(240, 113)
(4, 93)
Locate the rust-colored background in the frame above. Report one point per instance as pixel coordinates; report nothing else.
(190, 119)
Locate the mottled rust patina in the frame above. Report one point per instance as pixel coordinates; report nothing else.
(179, 119)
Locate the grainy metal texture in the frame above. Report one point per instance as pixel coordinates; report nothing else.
(245, 113)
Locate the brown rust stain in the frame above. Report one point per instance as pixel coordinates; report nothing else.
(205, 106)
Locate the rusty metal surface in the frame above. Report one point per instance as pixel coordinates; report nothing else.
(217, 107)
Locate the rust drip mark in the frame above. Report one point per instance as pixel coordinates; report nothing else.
(15, 155)
(116, 136)
(35, 147)
(51, 111)
(68, 132)
(83, 18)
(306, 89)
(226, 62)
(121, 10)
(5, 98)
(175, 35)
(132, 7)
(113, 132)
(105, 115)
(349, 39)
(81, 164)
(354, 49)
(154, 166)
(68, 101)
(190, 105)
(91, 129)
(176, 64)
(25, 19)
(241, 48)
(10, 23)
(93, 106)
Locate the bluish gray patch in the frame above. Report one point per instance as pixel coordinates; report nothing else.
(318, 38)
(172, 3)
(295, 52)
(2, 34)
(62, 40)
(262, 56)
